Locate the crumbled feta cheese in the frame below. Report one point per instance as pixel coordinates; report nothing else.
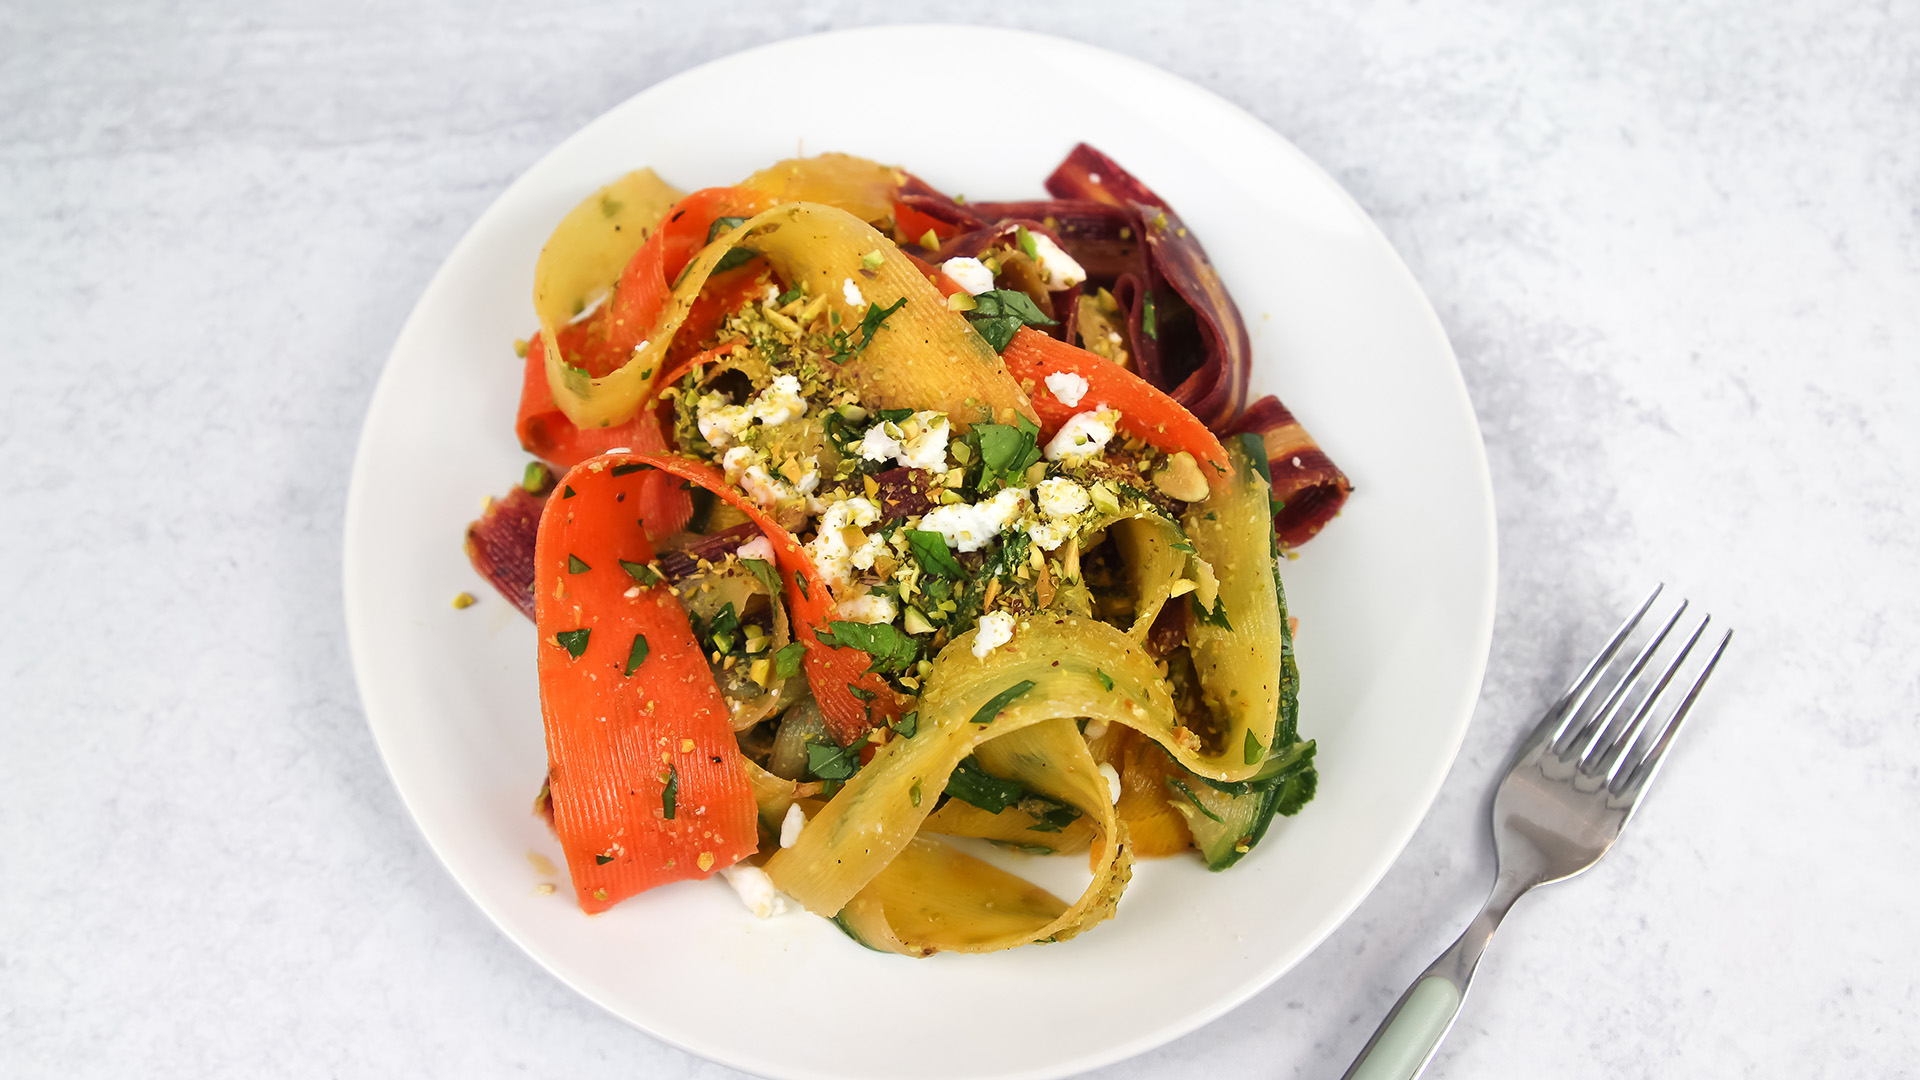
(971, 526)
(839, 547)
(851, 293)
(756, 890)
(1068, 387)
(780, 402)
(1112, 777)
(746, 469)
(722, 423)
(791, 825)
(995, 630)
(918, 442)
(1060, 497)
(1049, 535)
(762, 486)
(871, 608)
(878, 445)
(773, 291)
(1062, 272)
(970, 274)
(1095, 729)
(1083, 435)
(757, 548)
(926, 449)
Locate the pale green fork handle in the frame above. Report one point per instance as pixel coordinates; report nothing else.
(1406, 1039)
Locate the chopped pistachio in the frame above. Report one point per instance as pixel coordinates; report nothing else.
(464, 600)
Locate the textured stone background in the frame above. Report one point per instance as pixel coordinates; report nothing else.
(1670, 242)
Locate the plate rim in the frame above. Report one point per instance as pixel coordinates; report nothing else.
(1480, 626)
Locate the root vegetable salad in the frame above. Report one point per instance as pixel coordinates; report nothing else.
(866, 518)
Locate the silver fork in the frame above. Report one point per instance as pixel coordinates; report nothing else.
(1571, 789)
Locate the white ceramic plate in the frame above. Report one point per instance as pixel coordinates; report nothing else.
(1395, 599)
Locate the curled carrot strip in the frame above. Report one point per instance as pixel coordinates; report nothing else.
(1146, 412)
(834, 672)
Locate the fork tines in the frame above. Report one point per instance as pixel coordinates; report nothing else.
(1606, 720)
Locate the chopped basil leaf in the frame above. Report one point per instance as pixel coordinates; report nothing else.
(1049, 815)
(972, 784)
(889, 648)
(670, 795)
(786, 662)
(1106, 680)
(830, 762)
(1254, 751)
(640, 572)
(1179, 785)
(567, 493)
(764, 573)
(602, 860)
(574, 641)
(1007, 451)
(998, 313)
(576, 565)
(630, 467)
(1001, 700)
(721, 632)
(907, 726)
(930, 551)
(1216, 617)
(735, 256)
(1148, 323)
(870, 324)
(800, 580)
(636, 655)
(723, 225)
(793, 293)
(862, 694)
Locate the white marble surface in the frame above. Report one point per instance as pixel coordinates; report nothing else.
(1676, 247)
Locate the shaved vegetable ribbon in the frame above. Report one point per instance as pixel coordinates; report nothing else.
(834, 672)
(923, 356)
(648, 784)
(858, 858)
(1146, 413)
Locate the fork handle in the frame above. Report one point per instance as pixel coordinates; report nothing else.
(1404, 1042)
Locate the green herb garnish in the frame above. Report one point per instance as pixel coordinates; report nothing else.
(670, 794)
(574, 641)
(829, 762)
(890, 649)
(1216, 617)
(630, 467)
(998, 313)
(640, 572)
(786, 662)
(930, 551)
(636, 655)
(1001, 700)
(536, 477)
(764, 573)
(576, 565)
(602, 860)
(972, 784)
(1179, 785)
(1106, 680)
